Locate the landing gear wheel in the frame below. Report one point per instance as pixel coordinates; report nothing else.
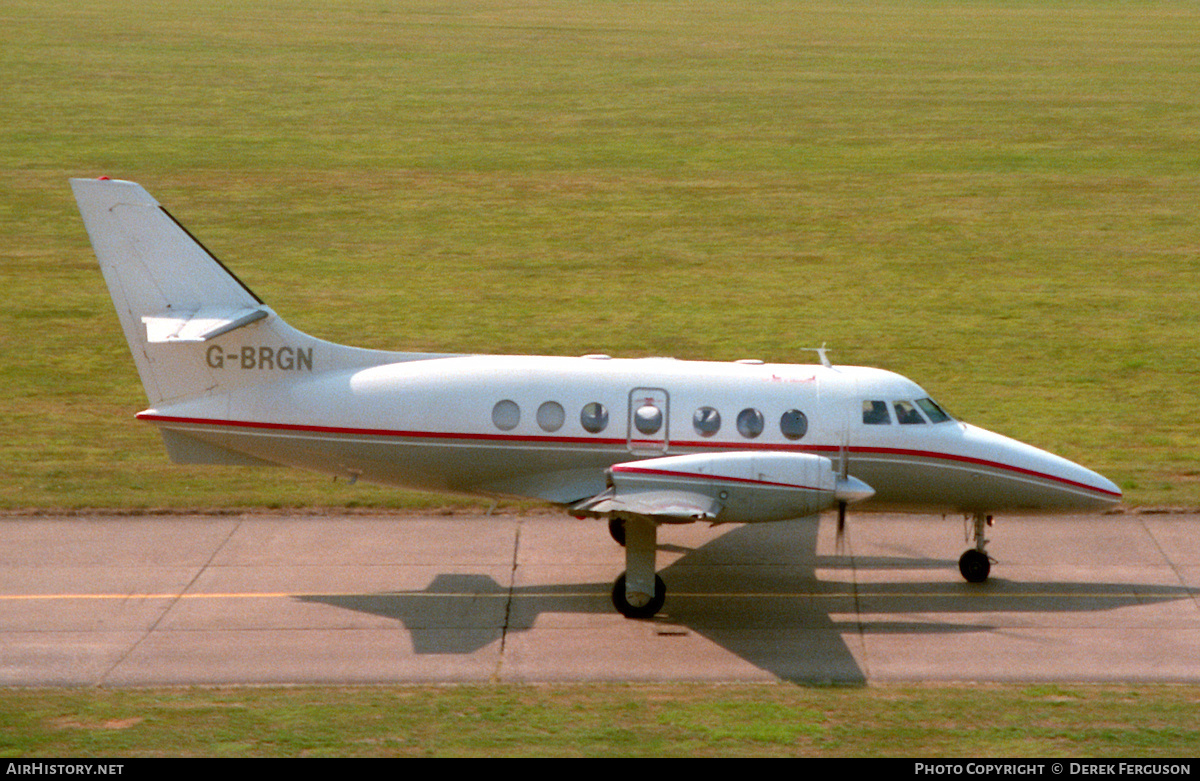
(632, 611)
(616, 527)
(975, 566)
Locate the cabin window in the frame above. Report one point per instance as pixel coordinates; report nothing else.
(706, 421)
(594, 417)
(793, 424)
(648, 419)
(932, 411)
(550, 416)
(506, 415)
(907, 413)
(875, 413)
(750, 423)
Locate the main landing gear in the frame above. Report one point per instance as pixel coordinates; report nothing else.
(616, 529)
(975, 564)
(653, 604)
(638, 592)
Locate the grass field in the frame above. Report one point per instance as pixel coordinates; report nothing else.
(606, 721)
(997, 198)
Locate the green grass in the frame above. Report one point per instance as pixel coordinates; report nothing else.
(997, 199)
(614, 721)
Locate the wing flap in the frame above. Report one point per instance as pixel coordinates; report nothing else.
(664, 506)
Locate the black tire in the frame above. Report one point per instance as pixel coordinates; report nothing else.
(616, 527)
(975, 566)
(646, 611)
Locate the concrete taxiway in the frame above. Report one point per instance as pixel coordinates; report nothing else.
(262, 599)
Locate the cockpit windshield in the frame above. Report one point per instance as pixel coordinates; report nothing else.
(906, 413)
(932, 411)
(876, 412)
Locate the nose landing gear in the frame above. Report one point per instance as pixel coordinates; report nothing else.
(975, 564)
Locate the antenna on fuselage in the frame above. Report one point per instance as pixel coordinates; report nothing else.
(821, 353)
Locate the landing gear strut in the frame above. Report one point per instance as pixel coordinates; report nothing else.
(638, 592)
(975, 564)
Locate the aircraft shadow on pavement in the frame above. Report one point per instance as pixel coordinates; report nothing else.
(755, 592)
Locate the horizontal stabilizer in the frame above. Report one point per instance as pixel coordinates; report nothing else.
(201, 325)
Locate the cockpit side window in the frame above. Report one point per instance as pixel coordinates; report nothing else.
(932, 411)
(876, 413)
(906, 413)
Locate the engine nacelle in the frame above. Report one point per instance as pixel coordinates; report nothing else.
(738, 487)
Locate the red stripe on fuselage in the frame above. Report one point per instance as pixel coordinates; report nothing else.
(691, 445)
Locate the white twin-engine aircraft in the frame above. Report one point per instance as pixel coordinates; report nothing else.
(640, 442)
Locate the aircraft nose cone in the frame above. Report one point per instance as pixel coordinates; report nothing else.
(1038, 480)
(1108, 487)
(1090, 490)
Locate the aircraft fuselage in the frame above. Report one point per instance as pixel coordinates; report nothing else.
(547, 428)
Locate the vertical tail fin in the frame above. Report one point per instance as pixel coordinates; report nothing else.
(194, 329)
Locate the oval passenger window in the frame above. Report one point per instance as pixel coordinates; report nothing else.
(750, 423)
(648, 419)
(793, 424)
(594, 417)
(506, 415)
(706, 421)
(550, 416)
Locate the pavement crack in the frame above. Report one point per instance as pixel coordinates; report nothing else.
(508, 602)
(1170, 562)
(120, 660)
